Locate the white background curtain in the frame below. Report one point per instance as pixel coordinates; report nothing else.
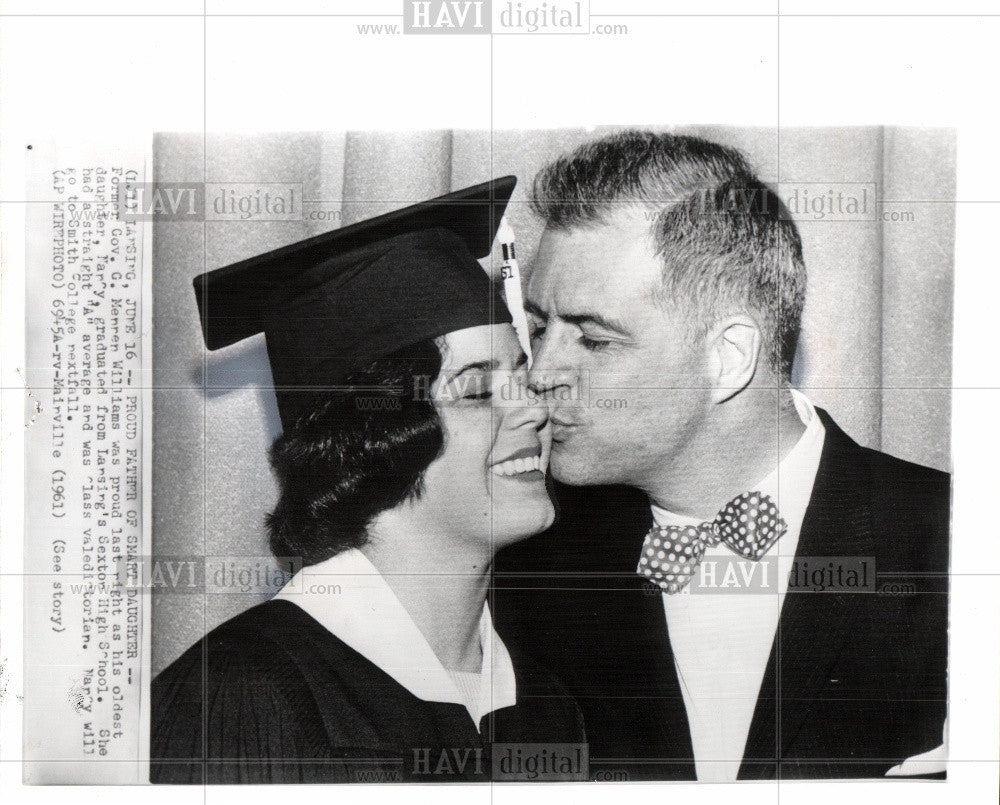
(875, 349)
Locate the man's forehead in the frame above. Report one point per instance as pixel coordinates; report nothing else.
(604, 264)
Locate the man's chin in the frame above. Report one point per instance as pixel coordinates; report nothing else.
(577, 470)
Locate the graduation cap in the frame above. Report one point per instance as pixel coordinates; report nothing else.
(336, 301)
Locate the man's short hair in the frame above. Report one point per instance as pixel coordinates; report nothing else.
(728, 243)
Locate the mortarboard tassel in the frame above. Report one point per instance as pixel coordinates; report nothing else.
(511, 276)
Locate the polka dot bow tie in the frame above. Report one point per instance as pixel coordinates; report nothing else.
(748, 525)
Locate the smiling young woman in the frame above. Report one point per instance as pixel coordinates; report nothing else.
(401, 471)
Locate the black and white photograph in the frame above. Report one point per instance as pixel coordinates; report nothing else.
(547, 400)
(638, 528)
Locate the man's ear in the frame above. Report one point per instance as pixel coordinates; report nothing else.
(734, 351)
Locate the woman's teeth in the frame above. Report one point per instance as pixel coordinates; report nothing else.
(517, 466)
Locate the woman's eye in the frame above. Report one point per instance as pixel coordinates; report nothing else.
(478, 389)
(535, 332)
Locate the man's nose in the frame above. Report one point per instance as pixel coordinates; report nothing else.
(523, 406)
(549, 369)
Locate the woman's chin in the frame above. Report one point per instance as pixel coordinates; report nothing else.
(512, 526)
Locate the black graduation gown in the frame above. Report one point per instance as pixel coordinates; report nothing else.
(271, 696)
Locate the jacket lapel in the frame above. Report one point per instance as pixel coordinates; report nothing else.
(813, 626)
(629, 610)
(668, 728)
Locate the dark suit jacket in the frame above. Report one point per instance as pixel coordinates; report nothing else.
(856, 682)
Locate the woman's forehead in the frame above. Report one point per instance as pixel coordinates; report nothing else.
(492, 344)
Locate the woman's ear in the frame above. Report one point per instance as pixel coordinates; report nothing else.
(734, 351)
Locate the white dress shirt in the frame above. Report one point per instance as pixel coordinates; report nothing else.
(350, 597)
(722, 625)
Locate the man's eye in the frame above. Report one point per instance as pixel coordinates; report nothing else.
(593, 345)
(479, 395)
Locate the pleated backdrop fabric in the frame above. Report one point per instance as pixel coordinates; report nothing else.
(875, 349)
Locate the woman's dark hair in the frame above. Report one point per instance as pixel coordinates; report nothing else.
(359, 452)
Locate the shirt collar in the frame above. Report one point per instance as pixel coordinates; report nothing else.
(349, 597)
(790, 483)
